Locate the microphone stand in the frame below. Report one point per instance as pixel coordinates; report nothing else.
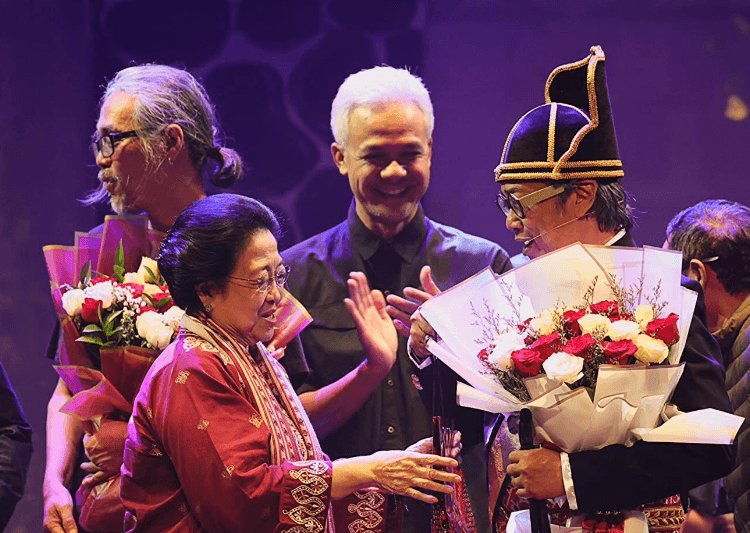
(537, 508)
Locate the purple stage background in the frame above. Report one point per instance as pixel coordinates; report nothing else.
(678, 81)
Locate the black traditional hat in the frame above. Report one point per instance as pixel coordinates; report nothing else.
(572, 136)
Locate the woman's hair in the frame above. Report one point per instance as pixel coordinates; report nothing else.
(167, 95)
(205, 242)
(378, 85)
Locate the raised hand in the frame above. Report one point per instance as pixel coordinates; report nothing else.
(374, 327)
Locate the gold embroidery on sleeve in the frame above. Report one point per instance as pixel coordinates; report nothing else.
(203, 424)
(255, 420)
(183, 508)
(154, 451)
(310, 506)
(228, 471)
(149, 412)
(367, 511)
(182, 377)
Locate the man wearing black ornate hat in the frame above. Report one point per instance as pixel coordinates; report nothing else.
(560, 177)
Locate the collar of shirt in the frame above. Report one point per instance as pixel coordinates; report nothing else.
(619, 235)
(406, 243)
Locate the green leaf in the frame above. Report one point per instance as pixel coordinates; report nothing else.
(90, 340)
(151, 273)
(119, 266)
(120, 255)
(109, 324)
(85, 273)
(92, 328)
(163, 302)
(118, 273)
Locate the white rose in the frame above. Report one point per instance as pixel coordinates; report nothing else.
(505, 343)
(147, 262)
(623, 329)
(133, 277)
(544, 322)
(150, 325)
(72, 301)
(563, 367)
(650, 350)
(103, 291)
(151, 289)
(173, 317)
(590, 323)
(643, 315)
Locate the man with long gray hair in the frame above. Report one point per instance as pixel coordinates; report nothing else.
(156, 141)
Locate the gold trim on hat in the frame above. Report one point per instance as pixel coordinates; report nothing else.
(596, 55)
(551, 133)
(596, 174)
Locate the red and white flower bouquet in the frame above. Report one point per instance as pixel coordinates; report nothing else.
(588, 337)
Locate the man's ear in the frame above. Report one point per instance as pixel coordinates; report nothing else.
(174, 141)
(338, 157)
(697, 271)
(584, 193)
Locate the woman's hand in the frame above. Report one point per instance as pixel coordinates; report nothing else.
(374, 327)
(409, 473)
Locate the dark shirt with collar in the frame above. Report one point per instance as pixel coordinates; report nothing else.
(393, 417)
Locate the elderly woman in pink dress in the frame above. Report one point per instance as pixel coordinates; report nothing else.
(218, 440)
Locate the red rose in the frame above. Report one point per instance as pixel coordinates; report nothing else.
(527, 362)
(619, 352)
(546, 345)
(159, 297)
(608, 308)
(142, 309)
(580, 346)
(90, 310)
(523, 326)
(135, 288)
(570, 321)
(484, 354)
(664, 329)
(100, 279)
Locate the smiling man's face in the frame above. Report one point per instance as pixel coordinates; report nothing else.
(387, 157)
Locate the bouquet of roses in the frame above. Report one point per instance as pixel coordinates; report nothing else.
(569, 345)
(588, 337)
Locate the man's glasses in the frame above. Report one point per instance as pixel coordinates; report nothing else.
(106, 143)
(264, 285)
(518, 206)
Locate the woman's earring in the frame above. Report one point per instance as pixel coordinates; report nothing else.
(209, 308)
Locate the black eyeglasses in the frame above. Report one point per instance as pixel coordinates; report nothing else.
(106, 143)
(264, 285)
(518, 206)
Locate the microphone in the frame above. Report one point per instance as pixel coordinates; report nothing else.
(535, 237)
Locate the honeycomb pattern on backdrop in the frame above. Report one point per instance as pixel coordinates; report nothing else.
(272, 69)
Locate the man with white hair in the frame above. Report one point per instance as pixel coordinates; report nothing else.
(382, 121)
(156, 140)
